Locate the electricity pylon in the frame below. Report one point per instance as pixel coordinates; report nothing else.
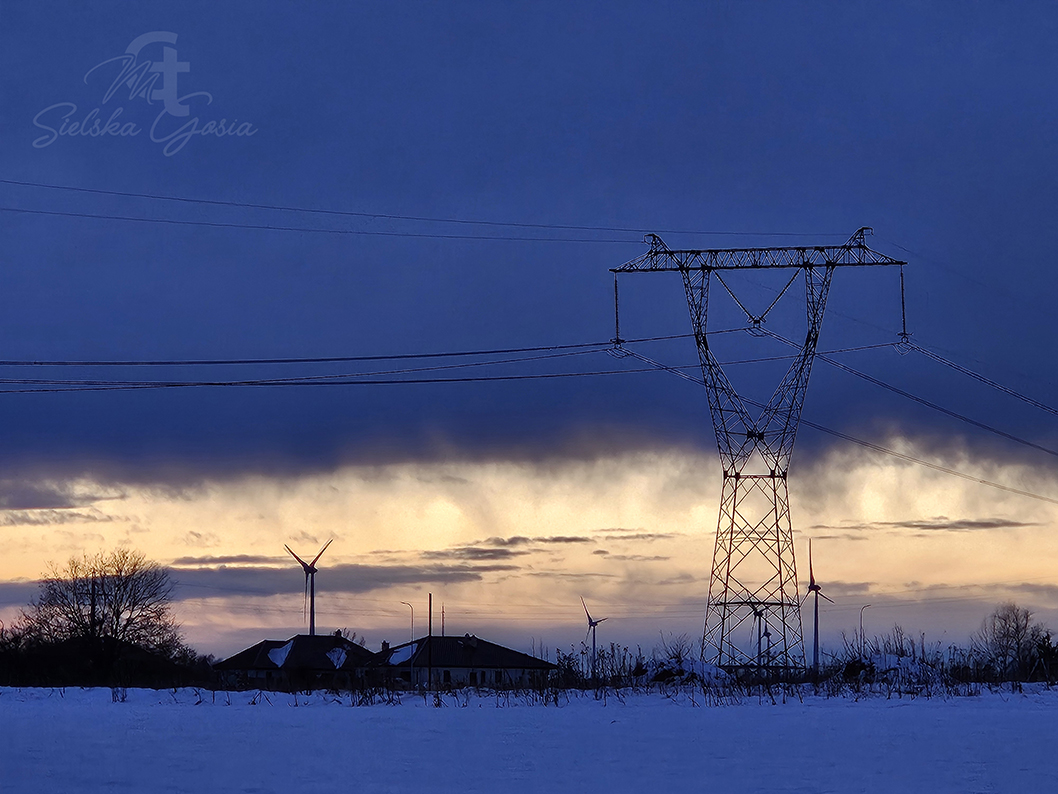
(753, 583)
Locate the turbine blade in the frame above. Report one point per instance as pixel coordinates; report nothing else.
(828, 599)
(600, 620)
(586, 612)
(296, 557)
(811, 575)
(317, 557)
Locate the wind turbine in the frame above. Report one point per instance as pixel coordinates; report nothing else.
(310, 582)
(592, 624)
(760, 614)
(814, 588)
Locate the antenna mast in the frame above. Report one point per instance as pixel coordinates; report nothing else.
(754, 576)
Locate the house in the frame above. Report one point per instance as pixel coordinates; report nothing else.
(458, 661)
(320, 661)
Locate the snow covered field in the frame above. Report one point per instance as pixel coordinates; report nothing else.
(82, 741)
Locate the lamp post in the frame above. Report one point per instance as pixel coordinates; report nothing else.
(411, 663)
(409, 606)
(865, 606)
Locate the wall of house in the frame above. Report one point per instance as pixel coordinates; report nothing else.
(445, 677)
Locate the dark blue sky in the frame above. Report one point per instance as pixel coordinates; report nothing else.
(936, 128)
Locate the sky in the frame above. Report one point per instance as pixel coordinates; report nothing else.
(475, 171)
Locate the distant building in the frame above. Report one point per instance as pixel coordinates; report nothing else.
(456, 662)
(330, 661)
(322, 661)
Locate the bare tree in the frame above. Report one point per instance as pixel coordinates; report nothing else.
(118, 597)
(1009, 640)
(672, 657)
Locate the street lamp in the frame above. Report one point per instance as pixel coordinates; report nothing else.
(411, 661)
(861, 628)
(409, 606)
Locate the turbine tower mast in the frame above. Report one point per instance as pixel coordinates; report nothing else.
(754, 576)
(310, 582)
(593, 624)
(813, 587)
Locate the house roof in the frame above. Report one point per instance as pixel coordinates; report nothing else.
(326, 652)
(465, 651)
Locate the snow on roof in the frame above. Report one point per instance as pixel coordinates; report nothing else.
(279, 655)
(337, 656)
(401, 655)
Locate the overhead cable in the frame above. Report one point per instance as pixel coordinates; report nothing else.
(328, 359)
(316, 230)
(923, 401)
(398, 217)
(981, 378)
(878, 447)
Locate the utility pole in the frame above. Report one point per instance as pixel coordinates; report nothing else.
(753, 565)
(865, 606)
(429, 647)
(759, 615)
(409, 606)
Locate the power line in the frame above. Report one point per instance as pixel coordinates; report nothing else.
(877, 447)
(416, 218)
(309, 378)
(922, 400)
(990, 288)
(939, 408)
(313, 230)
(330, 359)
(362, 379)
(934, 466)
(131, 386)
(987, 381)
(47, 385)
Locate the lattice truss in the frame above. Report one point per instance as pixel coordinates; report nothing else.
(753, 590)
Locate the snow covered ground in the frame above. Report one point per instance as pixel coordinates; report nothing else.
(82, 741)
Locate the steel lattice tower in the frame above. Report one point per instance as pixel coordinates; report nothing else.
(753, 584)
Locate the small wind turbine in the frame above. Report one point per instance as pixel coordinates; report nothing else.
(592, 624)
(814, 588)
(310, 582)
(759, 615)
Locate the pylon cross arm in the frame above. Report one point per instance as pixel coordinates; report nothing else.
(661, 258)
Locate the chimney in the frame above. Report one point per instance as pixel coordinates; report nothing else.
(385, 646)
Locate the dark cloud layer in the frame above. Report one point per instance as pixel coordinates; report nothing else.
(25, 494)
(841, 536)
(933, 127)
(642, 536)
(522, 540)
(631, 557)
(939, 524)
(17, 593)
(497, 548)
(223, 581)
(230, 559)
(839, 589)
(49, 517)
(475, 553)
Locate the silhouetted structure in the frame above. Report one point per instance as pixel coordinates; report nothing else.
(456, 662)
(303, 662)
(754, 577)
